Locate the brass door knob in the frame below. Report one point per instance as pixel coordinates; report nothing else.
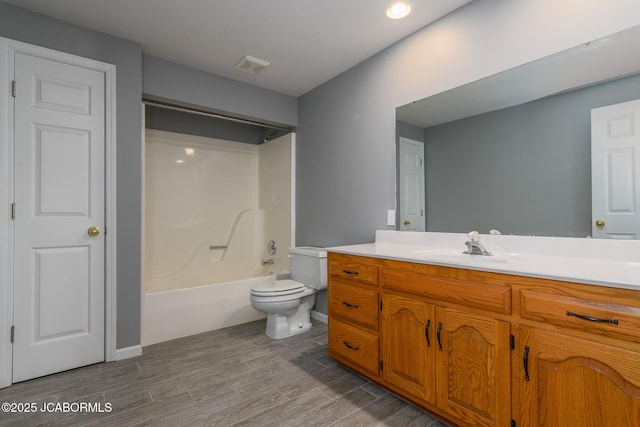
(93, 231)
(407, 222)
(600, 223)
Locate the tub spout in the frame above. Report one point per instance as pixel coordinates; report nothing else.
(269, 261)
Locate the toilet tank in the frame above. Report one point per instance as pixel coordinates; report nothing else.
(309, 266)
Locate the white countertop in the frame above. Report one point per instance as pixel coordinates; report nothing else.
(590, 261)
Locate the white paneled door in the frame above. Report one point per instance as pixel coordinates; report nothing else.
(59, 280)
(411, 175)
(615, 171)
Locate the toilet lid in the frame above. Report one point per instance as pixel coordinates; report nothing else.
(279, 287)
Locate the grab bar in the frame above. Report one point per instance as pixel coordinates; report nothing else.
(218, 247)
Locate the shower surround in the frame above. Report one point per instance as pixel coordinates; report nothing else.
(211, 206)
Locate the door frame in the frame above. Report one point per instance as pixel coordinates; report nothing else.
(8, 49)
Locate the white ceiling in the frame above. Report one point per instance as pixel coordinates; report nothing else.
(307, 42)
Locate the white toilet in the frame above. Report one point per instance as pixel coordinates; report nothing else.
(288, 303)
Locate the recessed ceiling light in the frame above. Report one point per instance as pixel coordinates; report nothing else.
(398, 9)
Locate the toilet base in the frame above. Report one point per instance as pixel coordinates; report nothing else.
(279, 327)
(294, 322)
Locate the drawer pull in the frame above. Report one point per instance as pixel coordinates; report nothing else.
(350, 347)
(438, 335)
(346, 304)
(592, 319)
(353, 273)
(426, 332)
(525, 362)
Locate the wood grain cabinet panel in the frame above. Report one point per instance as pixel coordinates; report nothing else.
(473, 367)
(566, 381)
(488, 295)
(408, 328)
(587, 314)
(354, 345)
(347, 267)
(355, 303)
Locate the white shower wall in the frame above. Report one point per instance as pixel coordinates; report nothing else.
(211, 206)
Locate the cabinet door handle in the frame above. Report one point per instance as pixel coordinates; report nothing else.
(525, 362)
(346, 304)
(438, 335)
(426, 332)
(592, 319)
(350, 347)
(353, 273)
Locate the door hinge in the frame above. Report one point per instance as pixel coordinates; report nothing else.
(381, 365)
(420, 162)
(512, 342)
(513, 423)
(13, 211)
(13, 88)
(13, 330)
(421, 212)
(380, 305)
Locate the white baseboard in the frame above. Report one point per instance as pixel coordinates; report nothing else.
(320, 317)
(128, 352)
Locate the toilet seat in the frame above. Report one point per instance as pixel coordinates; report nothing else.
(278, 288)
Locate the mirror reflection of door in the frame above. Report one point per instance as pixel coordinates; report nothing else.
(412, 197)
(615, 171)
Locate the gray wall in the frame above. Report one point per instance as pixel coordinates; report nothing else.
(168, 81)
(522, 170)
(28, 27)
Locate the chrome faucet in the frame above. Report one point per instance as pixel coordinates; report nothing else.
(269, 261)
(474, 247)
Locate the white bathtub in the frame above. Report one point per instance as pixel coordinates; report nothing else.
(182, 312)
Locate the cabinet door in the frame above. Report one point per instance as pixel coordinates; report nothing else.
(407, 345)
(473, 367)
(576, 382)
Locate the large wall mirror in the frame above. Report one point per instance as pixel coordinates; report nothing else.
(513, 152)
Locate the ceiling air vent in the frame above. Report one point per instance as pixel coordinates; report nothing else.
(251, 65)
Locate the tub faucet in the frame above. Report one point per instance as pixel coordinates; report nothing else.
(474, 247)
(269, 261)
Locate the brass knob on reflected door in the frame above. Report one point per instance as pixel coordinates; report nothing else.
(600, 223)
(93, 231)
(407, 222)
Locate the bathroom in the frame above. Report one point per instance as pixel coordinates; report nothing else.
(346, 125)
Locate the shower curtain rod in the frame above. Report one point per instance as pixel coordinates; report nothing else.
(214, 115)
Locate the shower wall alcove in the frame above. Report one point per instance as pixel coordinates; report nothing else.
(211, 206)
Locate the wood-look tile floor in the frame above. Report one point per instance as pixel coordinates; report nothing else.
(235, 376)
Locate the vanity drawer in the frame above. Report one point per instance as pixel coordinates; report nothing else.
(354, 345)
(589, 315)
(357, 304)
(345, 267)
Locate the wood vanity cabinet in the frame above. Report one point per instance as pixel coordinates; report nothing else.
(488, 349)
